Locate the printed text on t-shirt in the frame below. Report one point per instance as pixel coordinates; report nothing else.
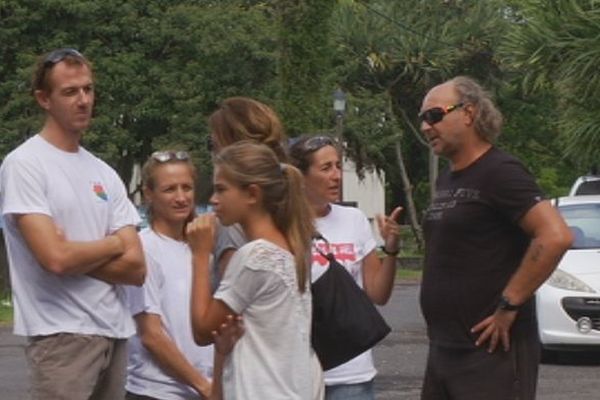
(343, 252)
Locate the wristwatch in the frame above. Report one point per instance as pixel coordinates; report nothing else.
(504, 304)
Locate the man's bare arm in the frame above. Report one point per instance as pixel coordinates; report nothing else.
(61, 256)
(128, 268)
(550, 239)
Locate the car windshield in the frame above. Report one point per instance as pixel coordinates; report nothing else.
(588, 187)
(584, 222)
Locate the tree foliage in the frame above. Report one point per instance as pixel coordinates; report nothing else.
(555, 46)
(304, 63)
(161, 67)
(398, 50)
(390, 54)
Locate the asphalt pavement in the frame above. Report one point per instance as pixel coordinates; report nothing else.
(13, 369)
(400, 360)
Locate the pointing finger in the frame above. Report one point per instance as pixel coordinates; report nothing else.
(396, 213)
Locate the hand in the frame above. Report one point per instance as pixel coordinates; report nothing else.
(204, 388)
(389, 229)
(120, 240)
(495, 328)
(228, 334)
(200, 233)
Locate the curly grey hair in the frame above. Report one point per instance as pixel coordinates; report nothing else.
(488, 119)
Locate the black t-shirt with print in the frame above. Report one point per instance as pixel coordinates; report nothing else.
(474, 244)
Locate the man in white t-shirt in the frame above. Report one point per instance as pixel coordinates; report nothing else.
(71, 240)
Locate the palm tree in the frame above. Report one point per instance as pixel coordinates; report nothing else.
(555, 44)
(390, 54)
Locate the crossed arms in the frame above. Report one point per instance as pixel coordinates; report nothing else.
(115, 259)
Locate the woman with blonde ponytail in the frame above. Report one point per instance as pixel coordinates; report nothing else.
(267, 281)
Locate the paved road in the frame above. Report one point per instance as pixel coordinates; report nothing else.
(13, 375)
(400, 359)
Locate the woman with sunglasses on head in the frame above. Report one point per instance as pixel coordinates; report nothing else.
(350, 240)
(237, 119)
(267, 280)
(164, 362)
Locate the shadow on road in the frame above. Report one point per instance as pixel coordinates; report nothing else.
(573, 358)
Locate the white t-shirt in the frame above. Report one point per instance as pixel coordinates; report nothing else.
(166, 293)
(87, 200)
(350, 240)
(274, 359)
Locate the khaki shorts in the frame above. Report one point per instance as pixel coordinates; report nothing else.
(76, 367)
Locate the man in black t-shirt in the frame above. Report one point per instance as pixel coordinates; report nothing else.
(491, 240)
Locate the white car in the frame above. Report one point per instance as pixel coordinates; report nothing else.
(585, 185)
(568, 303)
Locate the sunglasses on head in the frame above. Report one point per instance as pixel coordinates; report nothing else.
(317, 142)
(58, 55)
(434, 115)
(164, 156)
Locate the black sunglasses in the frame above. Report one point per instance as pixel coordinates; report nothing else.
(164, 156)
(58, 55)
(434, 115)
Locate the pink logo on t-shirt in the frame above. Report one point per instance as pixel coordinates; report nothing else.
(99, 190)
(343, 252)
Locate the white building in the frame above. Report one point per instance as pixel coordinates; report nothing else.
(368, 193)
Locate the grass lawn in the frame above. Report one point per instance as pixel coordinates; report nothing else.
(6, 313)
(413, 275)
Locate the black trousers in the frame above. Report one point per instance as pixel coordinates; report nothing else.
(475, 374)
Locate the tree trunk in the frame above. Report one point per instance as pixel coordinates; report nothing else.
(410, 203)
(433, 173)
(408, 187)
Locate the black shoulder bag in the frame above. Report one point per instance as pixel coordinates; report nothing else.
(345, 323)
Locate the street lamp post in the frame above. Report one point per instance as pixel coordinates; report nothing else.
(339, 107)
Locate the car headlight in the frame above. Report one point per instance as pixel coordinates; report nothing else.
(563, 280)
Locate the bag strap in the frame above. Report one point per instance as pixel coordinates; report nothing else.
(329, 255)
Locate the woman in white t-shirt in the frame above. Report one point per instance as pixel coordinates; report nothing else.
(164, 362)
(267, 279)
(351, 240)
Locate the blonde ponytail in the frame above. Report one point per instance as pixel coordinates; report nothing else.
(246, 163)
(295, 218)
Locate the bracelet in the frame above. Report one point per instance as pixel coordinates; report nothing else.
(389, 253)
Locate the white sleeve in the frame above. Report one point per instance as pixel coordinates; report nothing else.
(243, 283)
(366, 240)
(123, 212)
(146, 298)
(22, 188)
